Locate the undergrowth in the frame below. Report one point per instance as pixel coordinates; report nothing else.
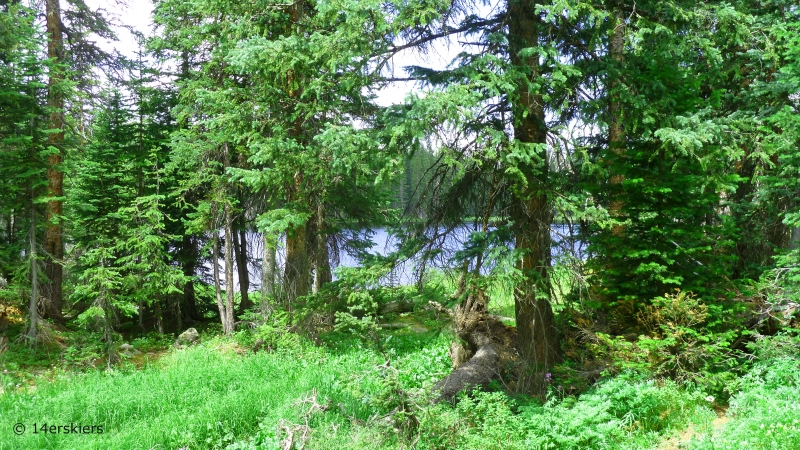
(765, 406)
(351, 393)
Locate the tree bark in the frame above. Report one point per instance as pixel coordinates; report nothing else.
(297, 272)
(267, 276)
(298, 267)
(240, 250)
(53, 236)
(159, 316)
(217, 290)
(189, 264)
(322, 263)
(485, 347)
(616, 135)
(537, 335)
(141, 315)
(794, 241)
(33, 306)
(228, 325)
(229, 292)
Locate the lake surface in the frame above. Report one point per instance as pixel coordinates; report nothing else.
(563, 238)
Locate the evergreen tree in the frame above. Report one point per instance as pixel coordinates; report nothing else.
(22, 152)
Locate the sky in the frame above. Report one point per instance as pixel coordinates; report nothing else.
(136, 13)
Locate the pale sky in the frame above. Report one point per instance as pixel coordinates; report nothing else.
(137, 14)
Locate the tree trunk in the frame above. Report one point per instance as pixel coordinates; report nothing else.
(229, 292)
(537, 336)
(177, 308)
(298, 267)
(267, 276)
(141, 315)
(322, 265)
(33, 307)
(228, 325)
(297, 264)
(240, 249)
(159, 316)
(189, 262)
(485, 347)
(53, 236)
(794, 241)
(217, 290)
(616, 135)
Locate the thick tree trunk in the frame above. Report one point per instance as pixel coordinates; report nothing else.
(53, 236)
(298, 267)
(537, 336)
(794, 241)
(297, 272)
(616, 135)
(322, 263)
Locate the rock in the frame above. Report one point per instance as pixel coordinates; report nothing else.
(128, 350)
(396, 307)
(189, 336)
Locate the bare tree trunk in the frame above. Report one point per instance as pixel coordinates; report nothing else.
(189, 251)
(141, 315)
(229, 292)
(178, 318)
(794, 241)
(53, 236)
(322, 265)
(240, 250)
(159, 317)
(33, 307)
(108, 328)
(215, 266)
(537, 336)
(267, 276)
(228, 325)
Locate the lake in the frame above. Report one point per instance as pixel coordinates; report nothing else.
(563, 238)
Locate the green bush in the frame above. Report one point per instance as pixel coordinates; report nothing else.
(684, 340)
(617, 414)
(765, 407)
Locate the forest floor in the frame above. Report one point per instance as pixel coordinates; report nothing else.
(349, 393)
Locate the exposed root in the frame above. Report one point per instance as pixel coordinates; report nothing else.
(486, 348)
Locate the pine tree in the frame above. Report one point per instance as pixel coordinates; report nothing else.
(22, 152)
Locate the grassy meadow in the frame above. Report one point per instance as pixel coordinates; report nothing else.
(347, 392)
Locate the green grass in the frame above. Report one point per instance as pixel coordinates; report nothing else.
(202, 397)
(197, 397)
(209, 396)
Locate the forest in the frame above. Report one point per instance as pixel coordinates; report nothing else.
(576, 227)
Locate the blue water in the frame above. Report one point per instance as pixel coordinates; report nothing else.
(564, 243)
